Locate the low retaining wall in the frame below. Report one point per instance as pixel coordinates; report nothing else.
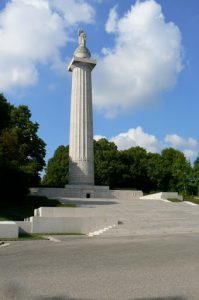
(126, 194)
(75, 212)
(70, 224)
(75, 191)
(8, 229)
(24, 226)
(163, 195)
(81, 225)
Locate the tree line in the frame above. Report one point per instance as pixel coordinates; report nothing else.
(22, 158)
(22, 151)
(134, 168)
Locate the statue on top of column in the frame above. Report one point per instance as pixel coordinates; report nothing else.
(82, 38)
(81, 50)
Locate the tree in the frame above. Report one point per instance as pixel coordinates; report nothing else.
(108, 165)
(175, 171)
(133, 168)
(31, 147)
(5, 109)
(135, 161)
(153, 169)
(57, 168)
(21, 150)
(195, 177)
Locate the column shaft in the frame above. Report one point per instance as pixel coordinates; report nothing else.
(81, 163)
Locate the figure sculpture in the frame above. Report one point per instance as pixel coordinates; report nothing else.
(82, 38)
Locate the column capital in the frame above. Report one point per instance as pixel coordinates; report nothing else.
(88, 61)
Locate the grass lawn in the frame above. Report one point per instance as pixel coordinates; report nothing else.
(174, 200)
(193, 199)
(37, 236)
(25, 237)
(17, 212)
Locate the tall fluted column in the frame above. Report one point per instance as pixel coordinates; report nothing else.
(81, 161)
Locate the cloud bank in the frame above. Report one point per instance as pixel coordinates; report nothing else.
(32, 33)
(137, 137)
(145, 60)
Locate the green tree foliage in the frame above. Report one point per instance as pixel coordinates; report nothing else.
(135, 162)
(108, 166)
(175, 171)
(195, 178)
(134, 168)
(21, 150)
(5, 109)
(153, 169)
(57, 168)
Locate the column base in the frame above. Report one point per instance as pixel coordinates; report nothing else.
(87, 191)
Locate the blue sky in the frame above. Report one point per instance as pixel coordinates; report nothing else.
(145, 84)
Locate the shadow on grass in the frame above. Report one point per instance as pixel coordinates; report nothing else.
(88, 202)
(25, 237)
(24, 209)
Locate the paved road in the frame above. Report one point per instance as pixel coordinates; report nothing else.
(153, 254)
(135, 267)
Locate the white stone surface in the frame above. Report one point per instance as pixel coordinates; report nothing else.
(24, 226)
(82, 225)
(163, 195)
(52, 212)
(126, 194)
(81, 191)
(73, 191)
(81, 157)
(8, 229)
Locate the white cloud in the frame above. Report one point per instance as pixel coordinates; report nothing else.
(74, 11)
(111, 23)
(190, 154)
(137, 137)
(146, 59)
(176, 141)
(99, 137)
(32, 33)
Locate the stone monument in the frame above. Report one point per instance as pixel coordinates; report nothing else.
(81, 157)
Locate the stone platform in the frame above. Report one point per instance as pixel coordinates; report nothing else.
(8, 229)
(66, 220)
(85, 191)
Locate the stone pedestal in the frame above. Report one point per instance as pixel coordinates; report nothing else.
(86, 191)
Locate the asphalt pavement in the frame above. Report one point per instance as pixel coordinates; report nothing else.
(152, 254)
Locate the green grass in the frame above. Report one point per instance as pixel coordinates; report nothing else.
(65, 233)
(36, 236)
(30, 236)
(19, 211)
(174, 200)
(193, 199)
(67, 205)
(25, 237)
